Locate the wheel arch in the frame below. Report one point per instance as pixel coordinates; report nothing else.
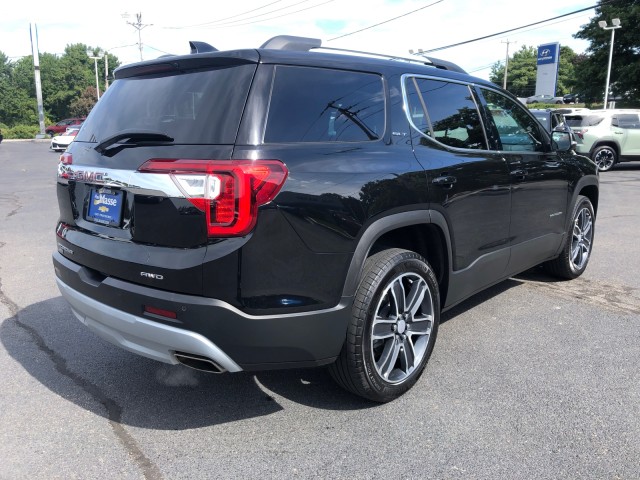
(587, 186)
(423, 231)
(592, 192)
(605, 143)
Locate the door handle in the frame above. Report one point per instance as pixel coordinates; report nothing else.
(444, 181)
(519, 174)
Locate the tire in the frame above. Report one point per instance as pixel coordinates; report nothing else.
(573, 260)
(605, 157)
(398, 299)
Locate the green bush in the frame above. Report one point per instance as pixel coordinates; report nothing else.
(543, 106)
(21, 131)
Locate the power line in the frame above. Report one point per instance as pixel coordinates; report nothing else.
(273, 18)
(221, 22)
(386, 21)
(513, 29)
(227, 18)
(157, 49)
(485, 67)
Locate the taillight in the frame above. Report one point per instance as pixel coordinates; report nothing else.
(228, 191)
(66, 158)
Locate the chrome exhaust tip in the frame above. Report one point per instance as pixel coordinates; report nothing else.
(198, 362)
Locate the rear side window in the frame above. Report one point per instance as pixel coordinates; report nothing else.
(445, 111)
(626, 120)
(324, 105)
(194, 107)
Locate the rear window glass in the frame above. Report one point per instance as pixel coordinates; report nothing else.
(202, 107)
(583, 120)
(543, 118)
(323, 105)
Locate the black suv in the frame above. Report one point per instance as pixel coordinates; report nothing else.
(292, 206)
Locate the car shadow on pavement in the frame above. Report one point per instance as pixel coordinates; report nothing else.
(478, 299)
(63, 355)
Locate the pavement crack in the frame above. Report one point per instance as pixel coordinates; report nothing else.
(114, 411)
(13, 201)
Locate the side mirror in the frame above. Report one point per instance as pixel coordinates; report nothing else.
(562, 140)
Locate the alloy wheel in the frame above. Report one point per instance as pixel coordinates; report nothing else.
(402, 327)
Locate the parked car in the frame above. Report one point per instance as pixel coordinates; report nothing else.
(550, 119)
(62, 125)
(569, 110)
(59, 143)
(572, 97)
(607, 136)
(285, 207)
(544, 99)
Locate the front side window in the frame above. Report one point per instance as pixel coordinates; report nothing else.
(444, 111)
(324, 105)
(517, 131)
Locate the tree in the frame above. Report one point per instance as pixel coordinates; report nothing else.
(521, 78)
(82, 105)
(65, 83)
(591, 69)
(15, 102)
(523, 71)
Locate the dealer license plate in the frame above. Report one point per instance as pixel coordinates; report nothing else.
(105, 206)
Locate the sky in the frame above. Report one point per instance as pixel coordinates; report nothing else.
(249, 23)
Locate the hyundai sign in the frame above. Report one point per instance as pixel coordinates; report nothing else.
(548, 62)
(548, 53)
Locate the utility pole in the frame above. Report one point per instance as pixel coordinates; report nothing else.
(506, 65)
(33, 32)
(138, 25)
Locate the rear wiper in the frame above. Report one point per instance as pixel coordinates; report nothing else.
(134, 138)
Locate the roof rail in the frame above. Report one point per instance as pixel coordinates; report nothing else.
(434, 62)
(289, 42)
(306, 44)
(201, 47)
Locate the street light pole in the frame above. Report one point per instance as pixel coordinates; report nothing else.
(95, 64)
(106, 71)
(603, 25)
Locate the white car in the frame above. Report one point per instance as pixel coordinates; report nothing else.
(59, 143)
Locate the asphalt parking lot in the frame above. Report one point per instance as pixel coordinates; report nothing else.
(531, 379)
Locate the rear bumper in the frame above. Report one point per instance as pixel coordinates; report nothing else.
(114, 309)
(139, 335)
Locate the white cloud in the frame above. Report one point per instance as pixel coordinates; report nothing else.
(447, 22)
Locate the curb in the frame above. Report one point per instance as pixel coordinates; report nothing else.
(35, 140)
